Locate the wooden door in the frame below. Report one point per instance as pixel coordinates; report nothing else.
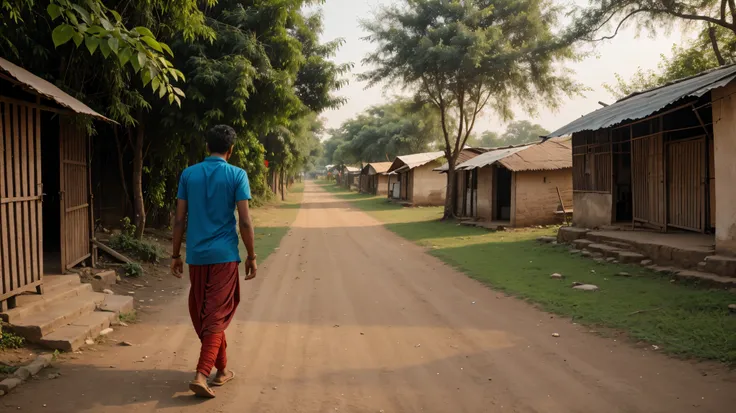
(21, 230)
(75, 210)
(686, 167)
(648, 186)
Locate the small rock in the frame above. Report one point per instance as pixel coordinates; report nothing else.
(9, 384)
(89, 342)
(596, 254)
(274, 387)
(362, 333)
(122, 324)
(614, 261)
(586, 254)
(556, 276)
(336, 325)
(732, 308)
(126, 344)
(655, 347)
(575, 283)
(610, 259)
(53, 376)
(555, 334)
(418, 345)
(586, 287)
(598, 260)
(574, 251)
(108, 292)
(106, 331)
(646, 263)
(623, 274)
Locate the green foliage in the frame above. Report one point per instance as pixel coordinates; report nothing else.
(129, 317)
(143, 250)
(9, 340)
(382, 132)
(684, 62)
(132, 270)
(467, 56)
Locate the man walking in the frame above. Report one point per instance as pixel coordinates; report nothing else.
(209, 193)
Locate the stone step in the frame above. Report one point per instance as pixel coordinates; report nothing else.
(52, 283)
(28, 304)
(117, 304)
(56, 314)
(628, 257)
(606, 250)
(618, 244)
(581, 243)
(721, 265)
(569, 234)
(104, 280)
(706, 278)
(72, 336)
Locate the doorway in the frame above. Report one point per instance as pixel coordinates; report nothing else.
(502, 187)
(623, 210)
(50, 167)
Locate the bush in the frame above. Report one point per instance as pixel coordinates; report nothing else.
(133, 270)
(9, 340)
(143, 250)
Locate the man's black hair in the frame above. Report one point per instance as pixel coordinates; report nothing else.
(221, 138)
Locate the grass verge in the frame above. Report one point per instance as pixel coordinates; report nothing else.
(272, 222)
(681, 320)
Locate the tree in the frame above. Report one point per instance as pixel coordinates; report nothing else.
(382, 132)
(715, 17)
(465, 56)
(520, 132)
(685, 62)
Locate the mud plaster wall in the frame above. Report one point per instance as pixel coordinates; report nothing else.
(724, 131)
(428, 187)
(382, 188)
(485, 193)
(591, 209)
(536, 196)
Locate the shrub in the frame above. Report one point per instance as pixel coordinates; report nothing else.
(9, 340)
(133, 269)
(143, 250)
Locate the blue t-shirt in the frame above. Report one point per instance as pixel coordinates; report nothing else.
(212, 189)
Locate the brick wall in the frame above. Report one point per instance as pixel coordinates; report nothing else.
(535, 197)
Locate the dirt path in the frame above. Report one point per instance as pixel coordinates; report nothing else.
(348, 317)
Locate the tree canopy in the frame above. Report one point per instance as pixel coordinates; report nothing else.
(466, 56)
(382, 132)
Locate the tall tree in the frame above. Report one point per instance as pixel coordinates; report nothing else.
(466, 56)
(522, 131)
(684, 62)
(603, 19)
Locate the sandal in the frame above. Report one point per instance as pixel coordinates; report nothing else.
(221, 381)
(201, 390)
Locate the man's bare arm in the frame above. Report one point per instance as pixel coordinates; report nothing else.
(180, 223)
(246, 228)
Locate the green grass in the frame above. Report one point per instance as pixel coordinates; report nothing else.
(272, 222)
(681, 319)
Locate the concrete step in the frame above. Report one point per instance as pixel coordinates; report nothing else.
(606, 250)
(72, 336)
(628, 257)
(720, 265)
(55, 315)
(28, 304)
(116, 304)
(52, 283)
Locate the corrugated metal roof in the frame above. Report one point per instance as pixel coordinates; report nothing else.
(489, 158)
(378, 168)
(641, 105)
(415, 160)
(551, 155)
(46, 89)
(465, 154)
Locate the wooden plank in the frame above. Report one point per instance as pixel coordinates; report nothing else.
(4, 271)
(118, 256)
(62, 195)
(39, 189)
(19, 199)
(11, 153)
(25, 207)
(33, 193)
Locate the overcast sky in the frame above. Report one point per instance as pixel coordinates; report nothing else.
(622, 55)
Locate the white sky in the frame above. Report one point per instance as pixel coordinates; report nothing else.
(621, 55)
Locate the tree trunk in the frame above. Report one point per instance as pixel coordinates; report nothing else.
(714, 43)
(281, 183)
(449, 212)
(121, 170)
(139, 218)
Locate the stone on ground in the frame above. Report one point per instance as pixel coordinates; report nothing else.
(624, 274)
(547, 240)
(586, 287)
(646, 263)
(556, 276)
(732, 308)
(9, 384)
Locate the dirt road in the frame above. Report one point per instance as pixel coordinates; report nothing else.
(347, 317)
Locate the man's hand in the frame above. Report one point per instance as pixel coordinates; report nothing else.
(177, 267)
(251, 268)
